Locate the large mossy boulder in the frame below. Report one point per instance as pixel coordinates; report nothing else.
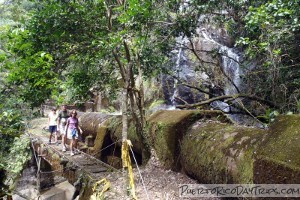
(115, 130)
(94, 126)
(141, 153)
(208, 146)
(90, 122)
(278, 159)
(166, 129)
(217, 152)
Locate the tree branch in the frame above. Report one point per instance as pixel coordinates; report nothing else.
(199, 89)
(121, 67)
(232, 97)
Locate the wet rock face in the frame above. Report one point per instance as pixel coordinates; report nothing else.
(202, 68)
(175, 94)
(168, 88)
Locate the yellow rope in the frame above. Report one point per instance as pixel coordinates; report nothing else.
(99, 194)
(127, 164)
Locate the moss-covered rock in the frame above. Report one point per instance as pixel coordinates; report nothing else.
(166, 129)
(278, 159)
(115, 129)
(90, 122)
(215, 152)
(209, 147)
(95, 129)
(101, 133)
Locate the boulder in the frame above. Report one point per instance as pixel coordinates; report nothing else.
(167, 128)
(95, 130)
(278, 159)
(215, 152)
(90, 122)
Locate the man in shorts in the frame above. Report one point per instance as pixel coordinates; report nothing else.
(62, 121)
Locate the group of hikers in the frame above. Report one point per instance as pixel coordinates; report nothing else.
(65, 124)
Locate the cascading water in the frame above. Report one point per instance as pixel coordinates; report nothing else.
(234, 85)
(209, 41)
(231, 69)
(183, 72)
(230, 66)
(177, 65)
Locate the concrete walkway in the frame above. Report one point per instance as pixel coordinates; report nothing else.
(81, 170)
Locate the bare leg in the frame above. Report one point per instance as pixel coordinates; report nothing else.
(63, 141)
(50, 137)
(71, 145)
(75, 143)
(55, 137)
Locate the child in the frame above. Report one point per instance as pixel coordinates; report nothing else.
(52, 121)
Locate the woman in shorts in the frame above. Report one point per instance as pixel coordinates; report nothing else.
(72, 131)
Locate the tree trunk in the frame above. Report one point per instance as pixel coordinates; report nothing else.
(124, 115)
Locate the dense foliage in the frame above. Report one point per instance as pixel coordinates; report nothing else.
(271, 37)
(70, 45)
(14, 148)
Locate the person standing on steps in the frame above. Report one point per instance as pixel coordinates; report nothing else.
(52, 121)
(62, 122)
(72, 131)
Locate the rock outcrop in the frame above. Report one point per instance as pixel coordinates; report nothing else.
(209, 146)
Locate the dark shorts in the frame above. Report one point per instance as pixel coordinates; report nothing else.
(52, 129)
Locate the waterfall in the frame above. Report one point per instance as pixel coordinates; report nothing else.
(177, 65)
(181, 68)
(231, 69)
(230, 65)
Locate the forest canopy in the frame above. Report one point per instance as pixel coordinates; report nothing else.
(63, 49)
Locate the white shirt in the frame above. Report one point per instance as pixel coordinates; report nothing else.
(53, 118)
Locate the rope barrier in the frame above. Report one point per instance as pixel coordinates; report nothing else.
(106, 147)
(89, 174)
(103, 163)
(105, 184)
(137, 166)
(90, 156)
